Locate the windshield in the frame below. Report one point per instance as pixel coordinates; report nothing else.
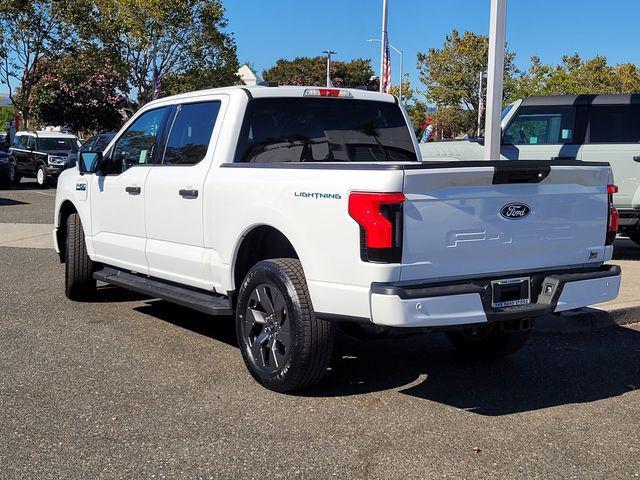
(48, 144)
(323, 130)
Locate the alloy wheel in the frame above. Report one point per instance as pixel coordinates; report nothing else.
(40, 176)
(267, 328)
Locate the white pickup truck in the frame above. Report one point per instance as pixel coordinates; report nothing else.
(295, 208)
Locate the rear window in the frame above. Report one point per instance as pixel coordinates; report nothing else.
(323, 130)
(614, 124)
(53, 143)
(544, 125)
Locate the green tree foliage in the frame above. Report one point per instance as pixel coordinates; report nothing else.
(575, 76)
(81, 90)
(30, 31)
(411, 99)
(181, 39)
(313, 71)
(451, 75)
(7, 113)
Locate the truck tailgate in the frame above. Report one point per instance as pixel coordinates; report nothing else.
(479, 218)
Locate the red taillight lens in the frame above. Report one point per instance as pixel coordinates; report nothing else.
(380, 218)
(613, 221)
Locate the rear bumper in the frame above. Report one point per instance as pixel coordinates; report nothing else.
(469, 302)
(629, 220)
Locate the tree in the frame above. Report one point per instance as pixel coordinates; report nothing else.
(82, 91)
(575, 76)
(416, 108)
(451, 75)
(30, 31)
(313, 71)
(181, 39)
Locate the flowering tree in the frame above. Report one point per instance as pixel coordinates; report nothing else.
(82, 91)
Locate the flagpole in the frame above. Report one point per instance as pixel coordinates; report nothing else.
(383, 44)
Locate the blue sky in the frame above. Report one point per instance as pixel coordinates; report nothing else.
(266, 30)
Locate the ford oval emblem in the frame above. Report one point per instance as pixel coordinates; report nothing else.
(515, 211)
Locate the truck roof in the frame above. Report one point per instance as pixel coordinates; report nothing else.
(261, 91)
(568, 100)
(46, 134)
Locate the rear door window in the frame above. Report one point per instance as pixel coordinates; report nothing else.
(323, 130)
(190, 133)
(541, 125)
(614, 124)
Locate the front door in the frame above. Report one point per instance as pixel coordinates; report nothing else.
(118, 194)
(175, 195)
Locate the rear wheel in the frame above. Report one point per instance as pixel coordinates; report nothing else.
(41, 177)
(79, 281)
(492, 341)
(283, 344)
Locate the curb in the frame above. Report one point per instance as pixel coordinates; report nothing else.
(587, 320)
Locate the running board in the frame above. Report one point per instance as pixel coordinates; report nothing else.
(209, 303)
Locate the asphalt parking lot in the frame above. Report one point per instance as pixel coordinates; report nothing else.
(128, 387)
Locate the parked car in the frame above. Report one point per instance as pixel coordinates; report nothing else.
(97, 143)
(583, 127)
(41, 155)
(7, 171)
(295, 208)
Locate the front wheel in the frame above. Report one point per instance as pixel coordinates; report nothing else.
(492, 341)
(79, 282)
(284, 345)
(41, 177)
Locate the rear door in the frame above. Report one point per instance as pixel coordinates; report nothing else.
(614, 137)
(479, 220)
(175, 194)
(545, 132)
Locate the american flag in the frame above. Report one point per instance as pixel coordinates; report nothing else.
(386, 68)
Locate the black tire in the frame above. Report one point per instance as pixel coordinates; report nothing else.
(42, 179)
(79, 282)
(488, 342)
(292, 338)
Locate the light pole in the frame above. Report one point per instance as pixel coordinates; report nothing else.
(495, 79)
(329, 53)
(483, 74)
(398, 51)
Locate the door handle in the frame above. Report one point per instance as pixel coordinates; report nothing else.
(563, 158)
(188, 193)
(636, 158)
(132, 190)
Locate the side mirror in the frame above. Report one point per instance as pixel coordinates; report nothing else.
(89, 162)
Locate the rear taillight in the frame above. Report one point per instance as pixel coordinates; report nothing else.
(613, 216)
(380, 218)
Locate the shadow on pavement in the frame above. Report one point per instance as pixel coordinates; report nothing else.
(625, 249)
(551, 370)
(7, 202)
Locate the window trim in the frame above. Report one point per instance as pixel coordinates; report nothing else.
(169, 128)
